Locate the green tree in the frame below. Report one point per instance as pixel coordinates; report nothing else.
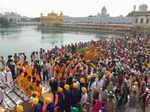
(37, 19)
(3, 21)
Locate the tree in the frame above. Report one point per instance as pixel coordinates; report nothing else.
(36, 19)
(3, 21)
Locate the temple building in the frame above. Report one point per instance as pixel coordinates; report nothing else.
(51, 18)
(100, 18)
(142, 16)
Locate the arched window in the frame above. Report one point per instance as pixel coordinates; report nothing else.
(136, 21)
(147, 21)
(142, 20)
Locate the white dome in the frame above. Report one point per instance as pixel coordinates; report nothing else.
(143, 7)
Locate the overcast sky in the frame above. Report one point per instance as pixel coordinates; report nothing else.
(75, 8)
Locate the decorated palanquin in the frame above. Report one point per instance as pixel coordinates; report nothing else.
(91, 53)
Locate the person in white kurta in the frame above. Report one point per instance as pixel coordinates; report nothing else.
(2, 77)
(100, 83)
(94, 84)
(51, 70)
(9, 79)
(84, 96)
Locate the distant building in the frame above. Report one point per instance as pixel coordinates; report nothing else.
(104, 18)
(12, 17)
(100, 18)
(88, 20)
(51, 18)
(142, 16)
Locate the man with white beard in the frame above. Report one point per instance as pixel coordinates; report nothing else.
(9, 79)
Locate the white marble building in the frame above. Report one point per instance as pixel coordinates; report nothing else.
(102, 18)
(142, 16)
(13, 17)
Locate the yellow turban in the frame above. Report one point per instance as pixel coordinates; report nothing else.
(84, 90)
(59, 90)
(69, 54)
(35, 101)
(96, 89)
(1, 110)
(95, 75)
(87, 61)
(94, 66)
(34, 60)
(19, 108)
(19, 62)
(48, 100)
(51, 61)
(88, 77)
(75, 85)
(12, 63)
(82, 80)
(109, 57)
(36, 93)
(1, 68)
(66, 87)
(7, 69)
(107, 74)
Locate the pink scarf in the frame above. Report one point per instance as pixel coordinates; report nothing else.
(97, 106)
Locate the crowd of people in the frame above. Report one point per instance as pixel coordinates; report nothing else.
(105, 75)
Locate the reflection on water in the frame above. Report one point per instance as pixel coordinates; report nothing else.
(28, 39)
(54, 38)
(6, 32)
